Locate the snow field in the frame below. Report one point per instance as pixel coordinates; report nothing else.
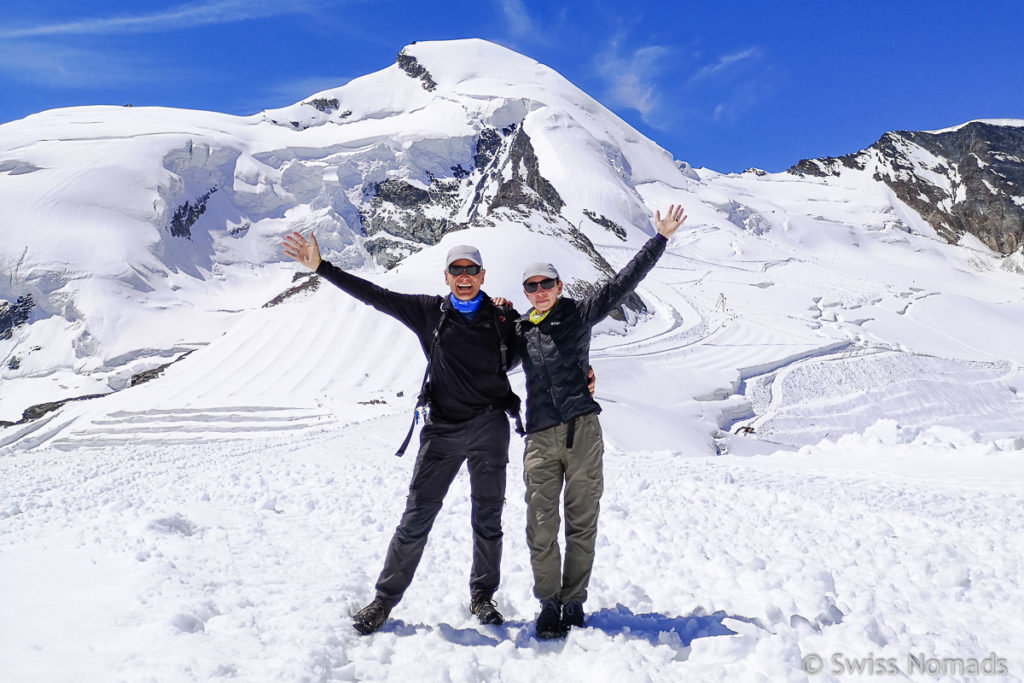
(231, 559)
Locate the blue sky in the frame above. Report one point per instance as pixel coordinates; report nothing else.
(727, 85)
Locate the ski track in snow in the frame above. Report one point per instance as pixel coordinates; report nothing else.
(227, 559)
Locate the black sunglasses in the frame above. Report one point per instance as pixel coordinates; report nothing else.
(546, 283)
(468, 270)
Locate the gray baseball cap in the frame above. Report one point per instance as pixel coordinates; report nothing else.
(541, 269)
(463, 251)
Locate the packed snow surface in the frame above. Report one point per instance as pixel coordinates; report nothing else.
(814, 442)
(244, 560)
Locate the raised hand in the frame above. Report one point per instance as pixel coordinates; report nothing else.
(668, 225)
(305, 252)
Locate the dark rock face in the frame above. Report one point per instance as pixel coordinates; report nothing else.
(186, 215)
(960, 181)
(12, 315)
(487, 146)
(395, 218)
(402, 194)
(606, 223)
(529, 191)
(147, 375)
(324, 104)
(397, 210)
(414, 69)
(311, 283)
(400, 217)
(985, 168)
(37, 411)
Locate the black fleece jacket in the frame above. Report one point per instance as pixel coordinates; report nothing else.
(556, 352)
(466, 375)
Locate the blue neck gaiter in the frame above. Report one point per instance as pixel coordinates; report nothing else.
(467, 308)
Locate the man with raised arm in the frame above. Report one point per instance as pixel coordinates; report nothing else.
(564, 445)
(469, 344)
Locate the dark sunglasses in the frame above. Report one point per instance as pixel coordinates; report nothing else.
(468, 270)
(546, 283)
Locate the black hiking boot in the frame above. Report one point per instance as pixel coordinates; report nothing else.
(572, 614)
(485, 609)
(549, 621)
(371, 617)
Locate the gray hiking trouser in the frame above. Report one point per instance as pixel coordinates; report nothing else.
(482, 442)
(548, 462)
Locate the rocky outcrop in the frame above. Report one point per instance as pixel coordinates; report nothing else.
(966, 180)
(187, 213)
(401, 216)
(14, 314)
(409, 64)
(324, 104)
(526, 189)
(311, 283)
(153, 373)
(606, 223)
(37, 411)
(396, 221)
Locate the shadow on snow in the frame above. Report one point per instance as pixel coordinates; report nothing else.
(616, 622)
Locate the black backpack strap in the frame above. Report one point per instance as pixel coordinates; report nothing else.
(513, 401)
(423, 400)
(502, 344)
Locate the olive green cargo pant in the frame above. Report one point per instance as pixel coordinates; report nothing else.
(548, 463)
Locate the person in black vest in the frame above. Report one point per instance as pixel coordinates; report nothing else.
(469, 343)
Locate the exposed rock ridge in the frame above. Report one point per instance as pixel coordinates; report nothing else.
(414, 69)
(401, 217)
(966, 180)
(14, 314)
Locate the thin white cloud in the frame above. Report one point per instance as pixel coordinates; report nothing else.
(665, 87)
(724, 63)
(43, 63)
(183, 16)
(518, 19)
(742, 99)
(634, 80)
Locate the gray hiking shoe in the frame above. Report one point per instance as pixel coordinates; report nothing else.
(485, 609)
(371, 617)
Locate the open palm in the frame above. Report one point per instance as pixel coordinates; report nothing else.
(668, 225)
(306, 252)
